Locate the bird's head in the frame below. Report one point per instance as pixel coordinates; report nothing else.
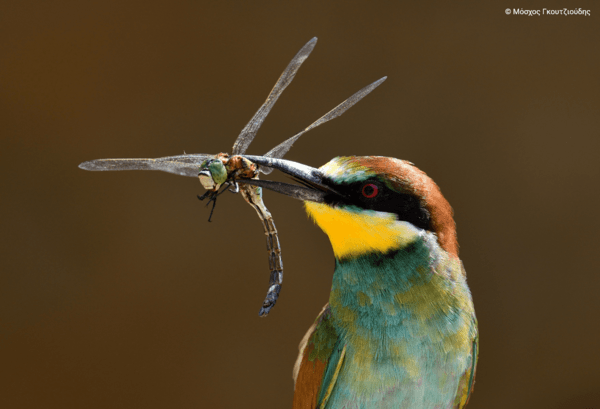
(368, 204)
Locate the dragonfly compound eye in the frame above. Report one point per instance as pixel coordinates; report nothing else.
(218, 171)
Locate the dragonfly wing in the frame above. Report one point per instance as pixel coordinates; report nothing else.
(184, 165)
(249, 132)
(280, 150)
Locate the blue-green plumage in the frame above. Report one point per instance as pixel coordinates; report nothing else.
(405, 319)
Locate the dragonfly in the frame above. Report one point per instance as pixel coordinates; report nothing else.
(221, 172)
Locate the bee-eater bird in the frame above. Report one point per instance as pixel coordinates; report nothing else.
(399, 330)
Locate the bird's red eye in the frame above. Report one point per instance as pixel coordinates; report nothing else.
(370, 190)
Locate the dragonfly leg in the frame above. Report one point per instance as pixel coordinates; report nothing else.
(204, 196)
(222, 190)
(213, 199)
(236, 187)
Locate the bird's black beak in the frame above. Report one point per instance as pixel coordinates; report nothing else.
(314, 188)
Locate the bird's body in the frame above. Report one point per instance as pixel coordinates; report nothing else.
(399, 330)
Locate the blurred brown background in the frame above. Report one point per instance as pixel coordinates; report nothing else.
(115, 292)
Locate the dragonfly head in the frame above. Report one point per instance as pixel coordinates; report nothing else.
(212, 174)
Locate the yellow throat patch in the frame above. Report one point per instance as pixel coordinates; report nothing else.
(353, 233)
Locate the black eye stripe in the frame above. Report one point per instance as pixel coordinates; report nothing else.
(405, 206)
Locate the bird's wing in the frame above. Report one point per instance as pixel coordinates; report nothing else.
(467, 381)
(318, 363)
